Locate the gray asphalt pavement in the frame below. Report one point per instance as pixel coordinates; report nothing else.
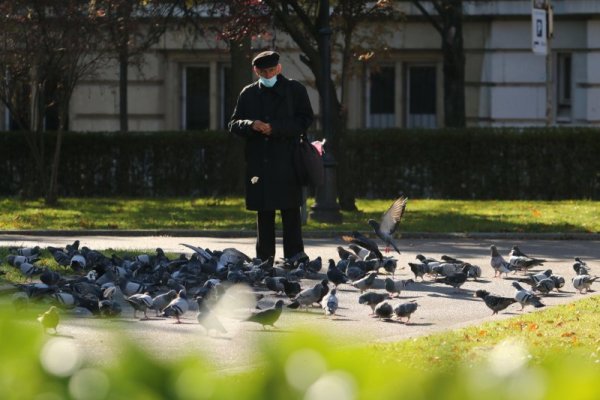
(440, 307)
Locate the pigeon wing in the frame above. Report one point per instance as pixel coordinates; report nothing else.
(198, 250)
(391, 218)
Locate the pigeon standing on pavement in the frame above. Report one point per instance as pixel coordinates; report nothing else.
(269, 316)
(419, 269)
(49, 319)
(526, 297)
(372, 299)
(177, 307)
(405, 310)
(330, 302)
(140, 302)
(386, 227)
(583, 282)
(396, 287)
(498, 263)
(494, 302)
(308, 296)
(160, 301)
(207, 318)
(521, 261)
(334, 274)
(384, 310)
(365, 283)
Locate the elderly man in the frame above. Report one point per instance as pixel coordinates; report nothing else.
(272, 114)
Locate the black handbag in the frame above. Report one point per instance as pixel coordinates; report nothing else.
(308, 163)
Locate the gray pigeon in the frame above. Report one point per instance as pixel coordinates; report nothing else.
(177, 307)
(405, 311)
(494, 302)
(160, 301)
(307, 297)
(363, 241)
(395, 287)
(389, 222)
(267, 316)
(372, 299)
(526, 297)
(498, 263)
(519, 260)
(140, 302)
(330, 302)
(365, 283)
(583, 282)
(419, 269)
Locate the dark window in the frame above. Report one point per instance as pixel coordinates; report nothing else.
(382, 94)
(197, 98)
(422, 90)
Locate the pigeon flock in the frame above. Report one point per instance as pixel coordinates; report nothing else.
(111, 286)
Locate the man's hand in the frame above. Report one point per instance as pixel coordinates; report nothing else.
(261, 127)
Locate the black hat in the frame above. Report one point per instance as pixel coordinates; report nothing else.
(266, 59)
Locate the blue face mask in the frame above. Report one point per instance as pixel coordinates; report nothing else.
(270, 82)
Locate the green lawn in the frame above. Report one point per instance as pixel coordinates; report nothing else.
(421, 215)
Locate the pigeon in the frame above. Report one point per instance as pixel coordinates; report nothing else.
(291, 289)
(334, 274)
(314, 266)
(455, 280)
(267, 316)
(308, 296)
(580, 267)
(109, 308)
(384, 310)
(498, 263)
(396, 287)
(177, 307)
(494, 303)
(372, 299)
(49, 319)
(526, 297)
(360, 252)
(386, 227)
(405, 310)
(25, 251)
(207, 318)
(28, 269)
(50, 277)
(330, 302)
(583, 282)
(275, 284)
(419, 269)
(365, 283)
(519, 260)
(162, 300)
(365, 242)
(140, 302)
(559, 281)
(345, 254)
(426, 260)
(543, 286)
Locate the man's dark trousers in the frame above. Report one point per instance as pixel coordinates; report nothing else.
(292, 233)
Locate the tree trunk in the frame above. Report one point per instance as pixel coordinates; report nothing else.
(454, 68)
(123, 80)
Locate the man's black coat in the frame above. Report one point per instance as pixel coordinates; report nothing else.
(271, 182)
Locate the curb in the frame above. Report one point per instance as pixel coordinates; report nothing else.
(306, 234)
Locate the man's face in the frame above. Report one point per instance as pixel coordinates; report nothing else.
(268, 72)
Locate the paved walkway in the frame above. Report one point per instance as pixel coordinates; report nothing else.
(440, 308)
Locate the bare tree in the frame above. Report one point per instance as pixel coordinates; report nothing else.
(46, 48)
(447, 19)
(133, 27)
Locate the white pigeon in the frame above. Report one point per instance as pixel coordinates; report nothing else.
(330, 302)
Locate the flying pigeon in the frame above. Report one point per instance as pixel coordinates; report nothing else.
(330, 302)
(384, 310)
(49, 319)
(386, 227)
(583, 282)
(526, 297)
(396, 287)
(405, 311)
(177, 307)
(494, 303)
(267, 316)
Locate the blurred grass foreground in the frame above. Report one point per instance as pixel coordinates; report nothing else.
(553, 354)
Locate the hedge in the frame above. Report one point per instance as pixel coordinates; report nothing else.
(474, 163)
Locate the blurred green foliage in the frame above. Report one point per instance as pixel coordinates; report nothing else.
(303, 365)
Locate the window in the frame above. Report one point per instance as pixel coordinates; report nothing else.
(564, 86)
(421, 96)
(196, 98)
(381, 100)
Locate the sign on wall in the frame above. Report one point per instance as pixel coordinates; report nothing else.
(539, 27)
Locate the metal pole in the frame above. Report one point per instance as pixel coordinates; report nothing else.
(326, 208)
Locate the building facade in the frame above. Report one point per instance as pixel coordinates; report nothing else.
(184, 86)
